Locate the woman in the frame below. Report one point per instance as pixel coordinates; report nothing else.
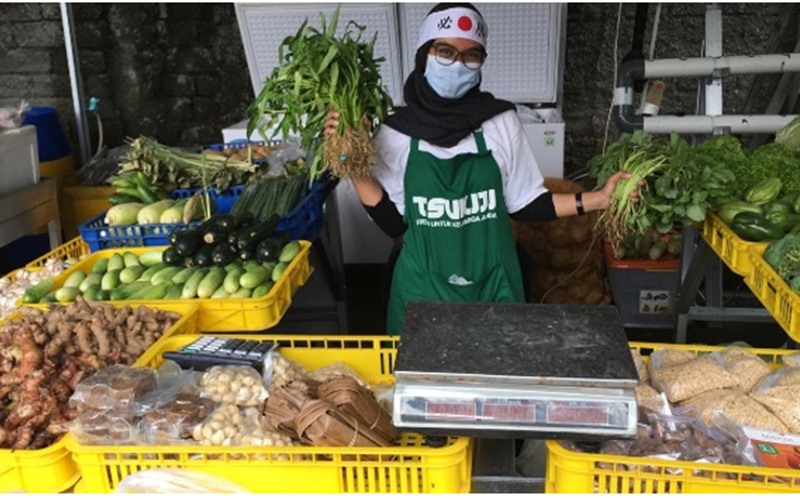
(451, 167)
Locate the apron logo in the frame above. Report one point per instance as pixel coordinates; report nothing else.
(457, 280)
(472, 204)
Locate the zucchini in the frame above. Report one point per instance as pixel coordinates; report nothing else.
(233, 237)
(190, 287)
(75, 279)
(209, 284)
(220, 293)
(183, 276)
(92, 279)
(171, 257)
(250, 238)
(227, 222)
(150, 271)
(131, 274)
(223, 254)
(130, 259)
(151, 258)
(280, 267)
(110, 280)
(247, 254)
(215, 235)
(189, 242)
(125, 291)
(100, 267)
(253, 277)
(165, 274)
(269, 250)
(289, 252)
(174, 292)
(263, 289)
(231, 282)
(67, 294)
(203, 256)
(116, 263)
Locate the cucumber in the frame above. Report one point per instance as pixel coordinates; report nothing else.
(289, 251)
(151, 258)
(252, 278)
(39, 290)
(67, 294)
(278, 271)
(174, 292)
(110, 280)
(190, 287)
(103, 295)
(231, 282)
(75, 279)
(210, 282)
(91, 292)
(130, 259)
(183, 276)
(116, 263)
(270, 266)
(250, 265)
(242, 293)
(92, 279)
(100, 267)
(130, 274)
(125, 291)
(150, 271)
(263, 289)
(220, 293)
(165, 274)
(158, 291)
(50, 297)
(139, 294)
(233, 265)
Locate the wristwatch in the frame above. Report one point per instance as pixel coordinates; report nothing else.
(579, 203)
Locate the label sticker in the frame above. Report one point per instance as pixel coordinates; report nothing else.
(655, 302)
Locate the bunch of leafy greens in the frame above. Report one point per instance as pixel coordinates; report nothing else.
(783, 256)
(603, 166)
(776, 160)
(725, 153)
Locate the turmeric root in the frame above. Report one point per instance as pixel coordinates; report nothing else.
(101, 335)
(82, 333)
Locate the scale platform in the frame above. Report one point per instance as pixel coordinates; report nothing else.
(514, 371)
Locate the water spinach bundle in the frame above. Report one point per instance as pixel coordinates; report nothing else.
(318, 70)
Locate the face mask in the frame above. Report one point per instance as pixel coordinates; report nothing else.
(450, 82)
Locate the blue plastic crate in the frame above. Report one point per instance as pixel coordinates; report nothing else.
(306, 220)
(223, 200)
(99, 236)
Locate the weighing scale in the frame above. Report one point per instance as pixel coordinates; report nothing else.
(514, 371)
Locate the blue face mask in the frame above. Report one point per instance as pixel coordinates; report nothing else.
(450, 82)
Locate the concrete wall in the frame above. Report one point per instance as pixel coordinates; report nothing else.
(178, 71)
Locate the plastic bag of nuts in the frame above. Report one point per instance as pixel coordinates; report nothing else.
(684, 380)
(280, 372)
(746, 366)
(737, 407)
(780, 393)
(792, 360)
(641, 369)
(239, 385)
(665, 357)
(332, 371)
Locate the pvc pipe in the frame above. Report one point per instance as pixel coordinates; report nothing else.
(730, 65)
(73, 63)
(738, 124)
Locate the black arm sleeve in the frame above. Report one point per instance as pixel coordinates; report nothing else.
(540, 209)
(387, 217)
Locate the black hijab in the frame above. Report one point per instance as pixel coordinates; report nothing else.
(437, 120)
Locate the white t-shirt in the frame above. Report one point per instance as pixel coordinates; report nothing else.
(522, 180)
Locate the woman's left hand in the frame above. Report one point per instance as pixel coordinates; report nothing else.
(611, 184)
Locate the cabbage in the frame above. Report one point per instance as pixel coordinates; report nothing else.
(789, 135)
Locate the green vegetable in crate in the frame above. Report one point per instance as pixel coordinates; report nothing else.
(778, 206)
(789, 135)
(190, 287)
(763, 192)
(100, 266)
(203, 256)
(130, 259)
(278, 271)
(92, 279)
(67, 294)
(173, 214)
(131, 274)
(211, 282)
(90, 293)
(171, 256)
(174, 292)
(231, 282)
(151, 214)
(289, 252)
(223, 254)
(262, 289)
(183, 276)
(189, 242)
(241, 293)
(220, 293)
(158, 290)
(50, 297)
(119, 199)
(123, 292)
(150, 271)
(123, 215)
(215, 235)
(785, 221)
(116, 263)
(731, 209)
(253, 277)
(783, 256)
(110, 280)
(755, 227)
(269, 249)
(165, 274)
(75, 279)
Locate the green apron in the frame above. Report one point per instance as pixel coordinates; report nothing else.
(458, 246)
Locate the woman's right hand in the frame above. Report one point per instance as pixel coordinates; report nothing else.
(331, 122)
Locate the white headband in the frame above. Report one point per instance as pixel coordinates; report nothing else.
(457, 22)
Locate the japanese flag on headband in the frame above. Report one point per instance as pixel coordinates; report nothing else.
(458, 22)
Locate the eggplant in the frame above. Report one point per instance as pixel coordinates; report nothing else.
(223, 254)
(203, 256)
(269, 249)
(171, 257)
(233, 237)
(253, 235)
(245, 255)
(227, 222)
(188, 242)
(216, 235)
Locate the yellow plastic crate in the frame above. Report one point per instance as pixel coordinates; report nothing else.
(574, 472)
(775, 295)
(73, 249)
(52, 469)
(229, 314)
(409, 467)
(733, 250)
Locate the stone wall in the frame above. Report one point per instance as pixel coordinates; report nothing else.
(178, 71)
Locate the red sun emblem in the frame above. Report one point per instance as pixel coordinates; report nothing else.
(464, 23)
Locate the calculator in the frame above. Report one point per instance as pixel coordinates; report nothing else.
(208, 351)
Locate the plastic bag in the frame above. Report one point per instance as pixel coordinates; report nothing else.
(684, 380)
(665, 357)
(240, 385)
(780, 393)
(641, 369)
(650, 401)
(176, 481)
(738, 408)
(746, 366)
(332, 371)
(384, 394)
(225, 423)
(171, 382)
(114, 388)
(279, 371)
(792, 360)
(99, 427)
(12, 117)
(174, 422)
(282, 154)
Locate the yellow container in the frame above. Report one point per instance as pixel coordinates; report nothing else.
(731, 249)
(60, 168)
(775, 294)
(81, 203)
(574, 472)
(223, 315)
(75, 248)
(409, 467)
(52, 469)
